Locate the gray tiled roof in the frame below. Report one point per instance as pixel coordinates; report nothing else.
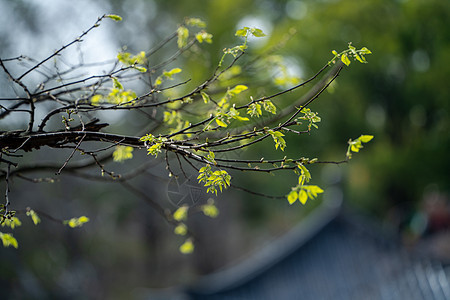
(339, 260)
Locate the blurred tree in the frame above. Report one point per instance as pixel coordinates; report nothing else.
(401, 97)
(199, 123)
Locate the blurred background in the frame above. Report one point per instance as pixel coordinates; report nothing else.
(401, 178)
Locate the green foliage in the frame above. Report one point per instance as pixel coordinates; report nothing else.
(210, 209)
(247, 31)
(196, 22)
(8, 240)
(114, 17)
(204, 36)
(181, 229)
(183, 35)
(117, 96)
(34, 216)
(205, 97)
(278, 139)
(358, 55)
(356, 145)
(243, 32)
(133, 60)
(181, 213)
(122, 153)
(187, 247)
(11, 222)
(214, 180)
(301, 191)
(76, 222)
(167, 75)
(310, 116)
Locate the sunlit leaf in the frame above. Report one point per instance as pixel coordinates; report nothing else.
(221, 123)
(210, 209)
(187, 247)
(8, 240)
(122, 153)
(302, 196)
(181, 213)
(34, 216)
(114, 17)
(195, 22)
(205, 97)
(180, 229)
(365, 138)
(345, 60)
(76, 222)
(292, 197)
(183, 35)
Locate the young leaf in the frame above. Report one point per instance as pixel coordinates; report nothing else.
(122, 153)
(205, 97)
(181, 213)
(114, 17)
(221, 123)
(187, 247)
(292, 197)
(196, 22)
(345, 60)
(117, 84)
(34, 216)
(76, 222)
(210, 209)
(302, 196)
(8, 240)
(257, 32)
(172, 72)
(242, 32)
(237, 90)
(203, 36)
(183, 34)
(180, 229)
(365, 138)
(140, 69)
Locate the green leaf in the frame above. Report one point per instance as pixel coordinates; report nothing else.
(183, 35)
(180, 229)
(302, 196)
(195, 22)
(242, 32)
(237, 90)
(269, 107)
(172, 72)
(11, 222)
(96, 99)
(140, 69)
(8, 240)
(116, 18)
(205, 97)
(117, 84)
(257, 32)
(221, 123)
(210, 209)
(187, 247)
(122, 153)
(76, 222)
(345, 60)
(365, 138)
(254, 110)
(364, 50)
(181, 213)
(34, 216)
(203, 36)
(292, 197)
